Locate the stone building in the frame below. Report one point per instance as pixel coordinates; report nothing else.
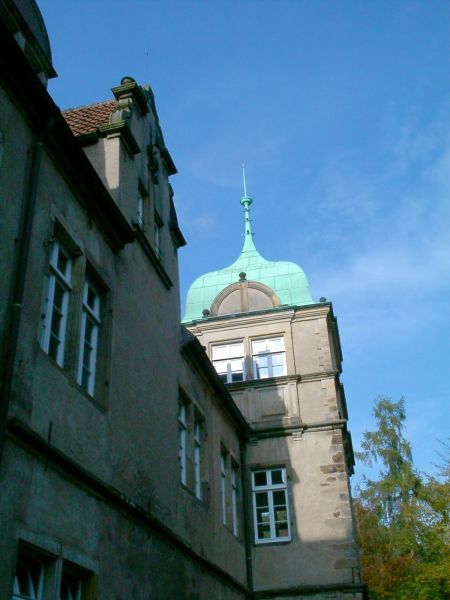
(131, 468)
(279, 354)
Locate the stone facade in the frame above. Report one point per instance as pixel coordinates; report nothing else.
(298, 421)
(126, 463)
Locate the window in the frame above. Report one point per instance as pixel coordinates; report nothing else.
(192, 455)
(90, 326)
(270, 506)
(54, 324)
(228, 360)
(197, 458)
(75, 582)
(29, 579)
(268, 358)
(158, 224)
(38, 576)
(223, 484)
(140, 212)
(71, 587)
(182, 441)
(234, 497)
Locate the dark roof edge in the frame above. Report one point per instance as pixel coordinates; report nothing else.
(46, 118)
(193, 350)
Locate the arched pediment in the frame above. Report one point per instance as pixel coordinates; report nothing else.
(244, 296)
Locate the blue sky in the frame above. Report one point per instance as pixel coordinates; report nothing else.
(341, 112)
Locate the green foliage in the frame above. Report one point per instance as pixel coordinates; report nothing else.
(402, 517)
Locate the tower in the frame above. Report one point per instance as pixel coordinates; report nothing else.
(278, 353)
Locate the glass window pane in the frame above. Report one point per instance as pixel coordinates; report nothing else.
(259, 346)
(277, 359)
(263, 532)
(280, 514)
(260, 478)
(237, 376)
(53, 347)
(279, 498)
(261, 361)
(276, 344)
(281, 529)
(262, 499)
(56, 323)
(88, 330)
(236, 365)
(262, 373)
(221, 366)
(62, 262)
(277, 476)
(262, 515)
(278, 371)
(236, 349)
(85, 378)
(91, 297)
(219, 352)
(59, 295)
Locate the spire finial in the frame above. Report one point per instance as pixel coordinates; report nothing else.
(243, 177)
(246, 201)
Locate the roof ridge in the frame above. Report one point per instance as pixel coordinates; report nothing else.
(66, 110)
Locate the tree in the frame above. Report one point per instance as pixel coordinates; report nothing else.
(402, 517)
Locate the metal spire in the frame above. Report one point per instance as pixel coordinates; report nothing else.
(246, 201)
(243, 177)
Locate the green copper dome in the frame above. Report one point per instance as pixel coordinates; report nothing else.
(286, 279)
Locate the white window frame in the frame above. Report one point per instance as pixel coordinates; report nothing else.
(223, 484)
(182, 430)
(269, 353)
(35, 589)
(91, 314)
(197, 457)
(234, 497)
(64, 281)
(270, 489)
(231, 353)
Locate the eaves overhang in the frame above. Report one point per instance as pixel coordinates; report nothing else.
(27, 91)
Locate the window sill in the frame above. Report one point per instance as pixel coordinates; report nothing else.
(199, 501)
(263, 382)
(238, 538)
(272, 542)
(152, 255)
(100, 405)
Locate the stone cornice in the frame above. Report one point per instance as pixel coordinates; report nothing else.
(280, 313)
(242, 320)
(306, 313)
(123, 130)
(288, 429)
(319, 375)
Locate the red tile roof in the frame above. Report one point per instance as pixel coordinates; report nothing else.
(86, 119)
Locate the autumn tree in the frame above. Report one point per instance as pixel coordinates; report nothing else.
(402, 516)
